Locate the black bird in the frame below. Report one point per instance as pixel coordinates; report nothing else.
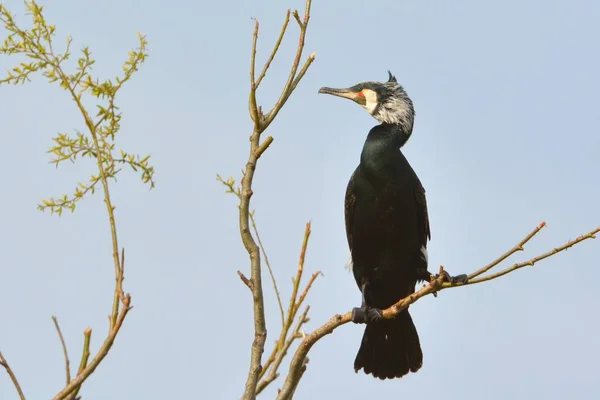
(387, 228)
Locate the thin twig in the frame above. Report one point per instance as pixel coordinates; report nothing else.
(85, 355)
(246, 281)
(532, 261)
(273, 372)
(518, 247)
(275, 49)
(293, 79)
(273, 280)
(294, 304)
(254, 113)
(264, 146)
(298, 365)
(12, 376)
(307, 288)
(102, 352)
(296, 281)
(64, 347)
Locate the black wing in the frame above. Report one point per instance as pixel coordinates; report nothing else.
(422, 215)
(349, 202)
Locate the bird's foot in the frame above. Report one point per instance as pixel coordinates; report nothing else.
(458, 279)
(365, 314)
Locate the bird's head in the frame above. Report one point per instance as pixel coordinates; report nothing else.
(387, 102)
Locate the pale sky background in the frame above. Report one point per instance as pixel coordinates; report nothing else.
(506, 136)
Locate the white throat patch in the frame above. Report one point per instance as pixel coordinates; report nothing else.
(371, 100)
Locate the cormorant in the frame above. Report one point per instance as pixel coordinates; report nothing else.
(387, 228)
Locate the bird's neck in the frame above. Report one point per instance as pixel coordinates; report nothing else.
(382, 146)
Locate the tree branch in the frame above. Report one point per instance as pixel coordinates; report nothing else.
(64, 347)
(275, 49)
(531, 262)
(298, 365)
(293, 79)
(85, 355)
(518, 247)
(12, 376)
(102, 352)
(273, 280)
(37, 44)
(256, 150)
(284, 342)
(280, 355)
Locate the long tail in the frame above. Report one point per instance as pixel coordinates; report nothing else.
(390, 348)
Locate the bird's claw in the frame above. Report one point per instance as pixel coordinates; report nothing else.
(458, 279)
(363, 315)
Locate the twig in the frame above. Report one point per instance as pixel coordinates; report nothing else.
(264, 252)
(85, 355)
(254, 113)
(273, 372)
(275, 49)
(297, 364)
(293, 299)
(64, 347)
(246, 281)
(307, 288)
(518, 247)
(13, 378)
(102, 352)
(293, 79)
(532, 261)
(264, 146)
(294, 305)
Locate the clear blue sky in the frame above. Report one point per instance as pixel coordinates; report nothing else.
(506, 136)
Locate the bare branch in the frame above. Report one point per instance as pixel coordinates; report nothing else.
(254, 113)
(12, 376)
(298, 365)
(518, 247)
(246, 281)
(312, 279)
(293, 307)
(264, 252)
(264, 146)
(532, 261)
(293, 79)
(256, 150)
(102, 352)
(273, 372)
(64, 347)
(293, 299)
(275, 49)
(85, 355)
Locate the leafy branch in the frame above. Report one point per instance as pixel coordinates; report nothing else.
(37, 45)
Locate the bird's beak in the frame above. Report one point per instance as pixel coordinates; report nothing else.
(345, 93)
